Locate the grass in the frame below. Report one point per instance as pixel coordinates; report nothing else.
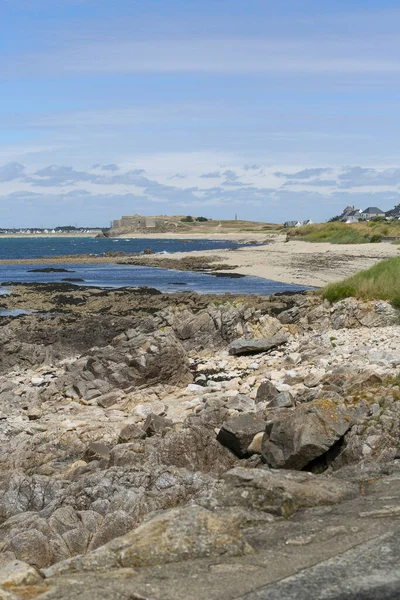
(342, 233)
(382, 281)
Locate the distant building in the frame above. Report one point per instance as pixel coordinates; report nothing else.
(394, 213)
(351, 214)
(372, 212)
(297, 223)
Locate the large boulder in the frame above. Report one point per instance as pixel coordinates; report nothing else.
(134, 358)
(301, 435)
(244, 346)
(170, 536)
(277, 492)
(351, 313)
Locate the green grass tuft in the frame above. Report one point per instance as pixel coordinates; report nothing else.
(382, 281)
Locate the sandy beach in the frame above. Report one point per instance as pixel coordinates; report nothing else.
(297, 262)
(305, 263)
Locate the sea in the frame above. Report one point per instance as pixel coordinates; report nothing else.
(115, 275)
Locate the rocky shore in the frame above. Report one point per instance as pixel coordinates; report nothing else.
(182, 446)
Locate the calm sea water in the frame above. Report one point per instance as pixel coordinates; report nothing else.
(113, 275)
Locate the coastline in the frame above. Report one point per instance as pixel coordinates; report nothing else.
(295, 262)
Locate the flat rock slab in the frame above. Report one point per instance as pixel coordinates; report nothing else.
(243, 346)
(371, 571)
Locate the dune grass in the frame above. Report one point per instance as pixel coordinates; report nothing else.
(342, 233)
(382, 281)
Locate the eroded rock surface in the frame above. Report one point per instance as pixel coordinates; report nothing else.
(139, 457)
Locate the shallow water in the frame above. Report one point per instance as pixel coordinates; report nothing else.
(165, 280)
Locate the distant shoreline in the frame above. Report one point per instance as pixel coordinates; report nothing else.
(46, 235)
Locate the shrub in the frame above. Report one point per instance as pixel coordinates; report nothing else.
(201, 219)
(187, 219)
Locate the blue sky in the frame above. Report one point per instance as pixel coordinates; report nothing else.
(270, 110)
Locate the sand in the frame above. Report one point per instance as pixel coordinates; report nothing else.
(298, 262)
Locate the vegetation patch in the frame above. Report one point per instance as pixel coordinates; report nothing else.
(344, 233)
(382, 281)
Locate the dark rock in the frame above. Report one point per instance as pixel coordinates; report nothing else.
(243, 346)
(238, 433)
(305, 433)
(50, 270)
(266, 392)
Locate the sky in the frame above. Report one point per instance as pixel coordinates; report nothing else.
(269, 110)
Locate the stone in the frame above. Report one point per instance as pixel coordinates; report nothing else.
(282, 400)
(109, 399)
(173, 535)
(256, 444)
(32, 547)
(243, 346)
(18, 573)
(131, 432)
(305, 433)
(266, 392)
(277, 492)
(238, 432)
(155, 424)
(99, 448)
(241, 403)
(143, 410)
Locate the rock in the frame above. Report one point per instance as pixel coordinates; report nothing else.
(171, 536)
(256, 444)
(107, 400)
(237, 434)
(266, 392)
(155, 424)
(351, 313)
(32, 547)
(143, 410)
(100, 449)
(241, 403)
(243, 346)
(282, 400)
(131, 432)
(18, 573)
(277, 492)
(305, 433)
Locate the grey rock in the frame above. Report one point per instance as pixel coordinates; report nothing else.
(243, 346)
(130, 433)
(344, 577)
(238, 433)
(241, 403)
(171, 536)
(305, 433)
(282, 400)
(266, 392)
(277, 492)
(156, 424)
